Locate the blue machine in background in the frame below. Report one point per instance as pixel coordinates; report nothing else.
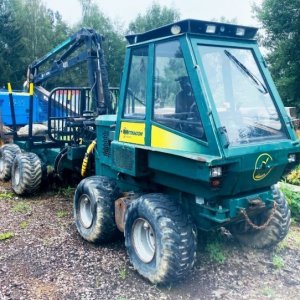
(21, 105)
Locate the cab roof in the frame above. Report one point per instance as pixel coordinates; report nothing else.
(206, 28)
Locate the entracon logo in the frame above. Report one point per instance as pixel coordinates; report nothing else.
(262, 166)
(132, 132)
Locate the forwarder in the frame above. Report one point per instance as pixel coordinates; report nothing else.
(58, 150)
(199, 142)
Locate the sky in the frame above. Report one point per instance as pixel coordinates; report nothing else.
(125, 11)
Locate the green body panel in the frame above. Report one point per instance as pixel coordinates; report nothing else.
(76, 153)
(71, 161)
(47, 155)
(209, 217)
(183, 168)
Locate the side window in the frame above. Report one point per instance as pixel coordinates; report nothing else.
(135, 103)
(174, 101)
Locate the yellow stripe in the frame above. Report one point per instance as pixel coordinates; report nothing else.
(31, 89)
(9, 88)
(161, 138)
(69, 96)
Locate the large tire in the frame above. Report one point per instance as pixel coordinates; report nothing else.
(26, 173)
(94, 209)
(8, 153)
(160, 239)
(271, 235)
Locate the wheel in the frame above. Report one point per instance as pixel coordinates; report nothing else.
(7, 155)
(160, 239)
(26, 173)
(94, 209)
(273, 233)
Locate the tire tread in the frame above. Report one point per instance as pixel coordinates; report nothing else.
(31, 175)
(104, 192)
(8, 153)
(273, 233)
(178, 242)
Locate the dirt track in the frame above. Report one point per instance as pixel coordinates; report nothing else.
(46, 259)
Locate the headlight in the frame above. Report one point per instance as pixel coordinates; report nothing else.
(240, 31)
(211, 28)
(216, 172)
(292, 158)
(175, 29)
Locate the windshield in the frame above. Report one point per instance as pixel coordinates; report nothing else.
(244, 105)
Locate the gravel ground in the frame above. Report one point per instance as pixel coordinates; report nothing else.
(46, 259)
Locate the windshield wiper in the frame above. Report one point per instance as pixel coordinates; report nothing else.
(258, 84)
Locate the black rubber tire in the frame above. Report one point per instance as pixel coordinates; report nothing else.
(101, 193)
(8, 153)
(175, 235)
(273, 233)
(26, 174)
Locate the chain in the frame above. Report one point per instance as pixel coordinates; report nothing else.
(263, 226)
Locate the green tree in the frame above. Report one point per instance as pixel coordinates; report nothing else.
(42, 28)
(28, 30)
(11, 47)
(155, 16)
(281, 21)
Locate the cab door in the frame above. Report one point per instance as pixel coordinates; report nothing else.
(177, 119)
(132, 126)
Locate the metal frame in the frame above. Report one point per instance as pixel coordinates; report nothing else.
(61, 58)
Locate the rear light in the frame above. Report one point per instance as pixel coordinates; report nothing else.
(214, 183)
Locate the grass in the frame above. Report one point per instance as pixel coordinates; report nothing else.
(98, 282)
(293, 199)
(268, 292)
(281, 246)
(291, 241)
(294, 236)
(61, 213)
(67, 192)
(123, 273)
(277, 261)
(6, 195)
(46, 242)
(294, 176)
(6, 235)
(21, 207)
(23, 224)
(215, 251)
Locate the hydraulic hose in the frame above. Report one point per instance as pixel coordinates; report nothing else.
(86, 157)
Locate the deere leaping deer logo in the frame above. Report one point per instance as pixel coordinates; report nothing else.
(262, 166)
